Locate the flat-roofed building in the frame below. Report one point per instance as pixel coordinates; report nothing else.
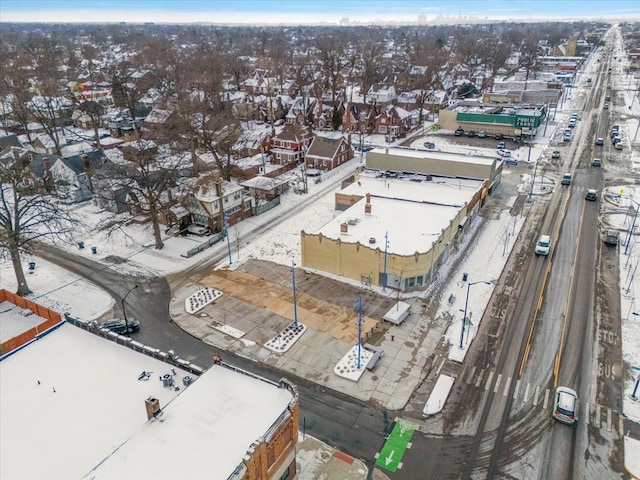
(77, 405)
(437, 163)
(397, 231)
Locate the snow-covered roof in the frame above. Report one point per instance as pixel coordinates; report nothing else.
(439, 201)
(202, 433)
(16, 320)
(81, 400)
(471, 156)
(263, 183)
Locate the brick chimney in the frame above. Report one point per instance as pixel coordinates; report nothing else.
(86, 164)
(344, 227)
(367, 206)
(152, 406)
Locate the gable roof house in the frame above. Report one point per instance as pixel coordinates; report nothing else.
(157, 121)
(134, 150)
(381, 94)
(287, 146)
(213, 198)
(44, 144)
(359, 117)
(394, 121)
(38, 166)
(328, 153)
(72, 176)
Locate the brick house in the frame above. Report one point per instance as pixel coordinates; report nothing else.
(288, 146)
(328, 153)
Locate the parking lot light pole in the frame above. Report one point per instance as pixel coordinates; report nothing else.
(124, 311)
(466, 304)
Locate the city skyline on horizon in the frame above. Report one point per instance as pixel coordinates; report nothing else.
(291, 12)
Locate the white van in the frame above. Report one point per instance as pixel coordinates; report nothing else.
(544, 245)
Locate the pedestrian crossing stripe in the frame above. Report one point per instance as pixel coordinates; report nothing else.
(594, 414)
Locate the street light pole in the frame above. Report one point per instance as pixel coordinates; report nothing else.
(384, 272)
(295, 303)
(466, 304)
(124, 311)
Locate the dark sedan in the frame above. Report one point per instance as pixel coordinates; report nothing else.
(118, 325)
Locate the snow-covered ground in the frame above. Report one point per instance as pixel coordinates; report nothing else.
(63, 291)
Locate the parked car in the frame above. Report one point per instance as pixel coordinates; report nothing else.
(566, 179)
(596, 162)
(429, 145)
(565, 405)
(198, 230)
(606, 106)
(499, 136)
(607, 98)
(572, 123)
(555, 154)
(471, 133)
(618, 145)
(544, 245)
(611, 237)
(459, 132)
(501, 146)
(591, 195)
(482, 134)
(504, 153)
(118, 325)
(599, 141)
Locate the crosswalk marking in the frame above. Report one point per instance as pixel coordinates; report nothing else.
(587, 413)
(535, 395)
(488, 382)
(506, 386)
(621, 425)
(498, 378)
(473, 371)
(546, 399)
(440, 367)
(528, 390)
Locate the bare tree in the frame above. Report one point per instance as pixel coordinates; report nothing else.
(331, 52)
(206, 120)
(370, 59)
(27, 215)
(94, 111)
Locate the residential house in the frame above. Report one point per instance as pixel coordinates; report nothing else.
(359, 117)
(8, 141)
(156, 123)
(72, 176)
(136, 150)
(287, 147)
(381, 94)
(38, 165)
(394, 121)
(113, 188)
(43, 143)
(328, 153)
(213, 199)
